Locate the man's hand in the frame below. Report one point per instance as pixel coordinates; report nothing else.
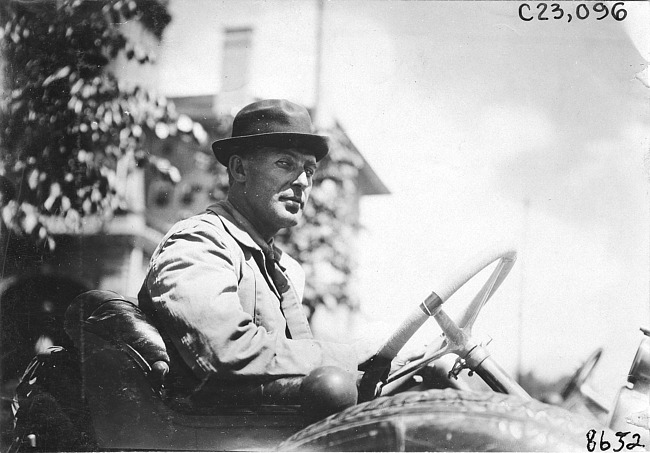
(378, 370)
(367, 347)
(406, 356)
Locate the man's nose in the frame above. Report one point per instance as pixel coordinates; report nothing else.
(302, 180)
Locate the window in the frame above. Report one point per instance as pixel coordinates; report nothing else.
(236, 59)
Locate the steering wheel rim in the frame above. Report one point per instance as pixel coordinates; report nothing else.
(456, 334)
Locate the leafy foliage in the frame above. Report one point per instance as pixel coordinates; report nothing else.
(70, 131)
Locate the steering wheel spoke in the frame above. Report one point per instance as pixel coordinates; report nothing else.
(469, 315)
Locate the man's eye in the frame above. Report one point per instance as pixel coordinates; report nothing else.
(310, 171)
(284, 163)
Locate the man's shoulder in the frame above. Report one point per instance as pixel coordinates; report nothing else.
(217, 225)
(205, 223)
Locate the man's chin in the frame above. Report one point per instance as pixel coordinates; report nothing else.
(286, 216)
(290, 219)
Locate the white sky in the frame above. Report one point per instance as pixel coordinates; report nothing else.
(465, 111)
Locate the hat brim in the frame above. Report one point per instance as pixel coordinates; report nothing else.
(226, 147)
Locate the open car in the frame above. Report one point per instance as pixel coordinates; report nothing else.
(110, 393)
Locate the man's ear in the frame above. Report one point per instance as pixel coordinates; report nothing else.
(237, 168)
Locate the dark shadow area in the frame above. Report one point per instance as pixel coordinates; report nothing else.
(32, 309)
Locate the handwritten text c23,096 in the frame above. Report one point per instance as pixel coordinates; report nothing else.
(555, 11)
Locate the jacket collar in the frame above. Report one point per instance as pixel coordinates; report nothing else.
(241, 229)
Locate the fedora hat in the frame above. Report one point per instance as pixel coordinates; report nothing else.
(272, 122)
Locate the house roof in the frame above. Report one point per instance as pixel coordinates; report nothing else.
(369, 182)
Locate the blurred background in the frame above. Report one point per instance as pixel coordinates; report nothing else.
(453, 125)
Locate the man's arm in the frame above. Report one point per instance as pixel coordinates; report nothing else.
(193, 286)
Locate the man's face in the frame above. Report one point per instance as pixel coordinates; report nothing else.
(278, 184)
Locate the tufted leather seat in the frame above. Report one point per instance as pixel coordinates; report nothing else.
(118, 319)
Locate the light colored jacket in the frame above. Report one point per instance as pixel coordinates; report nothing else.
(213, 297)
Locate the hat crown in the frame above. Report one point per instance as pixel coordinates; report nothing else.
(272, 116)
(271, 123)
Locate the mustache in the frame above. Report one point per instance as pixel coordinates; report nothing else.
(293, 198)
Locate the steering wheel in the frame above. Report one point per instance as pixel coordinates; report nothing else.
(456, 337)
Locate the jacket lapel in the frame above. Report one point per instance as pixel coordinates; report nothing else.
(290, 304)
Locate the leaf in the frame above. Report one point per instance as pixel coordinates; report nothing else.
(199, 133)
(184, 123)
(162, 130)
(61, 73)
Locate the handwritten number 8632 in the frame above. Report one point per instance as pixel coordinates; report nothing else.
(603, 445)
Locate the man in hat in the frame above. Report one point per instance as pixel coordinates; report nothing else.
(225, 297)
